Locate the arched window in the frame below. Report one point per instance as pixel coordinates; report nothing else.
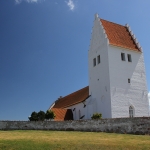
(131, 112)
(79, 114)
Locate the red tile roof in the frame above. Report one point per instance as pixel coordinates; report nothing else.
(119, 35)
(62, 114)
(73, 98)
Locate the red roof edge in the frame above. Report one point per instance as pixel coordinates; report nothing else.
(78, 102)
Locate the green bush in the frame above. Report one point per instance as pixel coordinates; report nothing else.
(34, 116)
(97, 116)
(41, 115)
(49, 115)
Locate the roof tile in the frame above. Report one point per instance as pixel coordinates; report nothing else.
(62, 114)
(73, 98)
(119, 35)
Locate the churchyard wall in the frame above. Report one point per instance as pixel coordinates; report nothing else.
(119, 125)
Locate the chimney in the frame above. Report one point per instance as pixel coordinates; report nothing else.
(60, 97)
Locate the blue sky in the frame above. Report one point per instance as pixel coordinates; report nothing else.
(44, 48)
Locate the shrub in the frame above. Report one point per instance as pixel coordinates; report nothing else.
(41, 115)
(50, 115)
(34, 116)
(97, 116)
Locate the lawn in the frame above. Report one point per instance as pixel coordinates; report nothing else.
(61, 140)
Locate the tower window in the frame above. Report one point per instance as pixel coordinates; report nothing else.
(98, 59)
(94, 62)
(129, 81)
(123, 56)
(129, 58)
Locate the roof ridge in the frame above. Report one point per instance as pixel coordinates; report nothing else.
(70, 94)
(73, 98)
(76, 102)
(113, 22)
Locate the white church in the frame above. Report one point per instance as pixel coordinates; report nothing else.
(117, 80)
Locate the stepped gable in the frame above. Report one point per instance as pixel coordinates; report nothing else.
(62, 114)
(73, 98)
(119, 35)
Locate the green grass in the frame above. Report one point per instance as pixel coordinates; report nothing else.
(61, 140)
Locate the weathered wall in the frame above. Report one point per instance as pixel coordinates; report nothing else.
(124, 94)
(119, 125)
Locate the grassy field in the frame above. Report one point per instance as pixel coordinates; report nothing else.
(60, 140)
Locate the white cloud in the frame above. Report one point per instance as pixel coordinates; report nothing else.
(28, 1)
(70, 4)
(32, 1)
(18, 1)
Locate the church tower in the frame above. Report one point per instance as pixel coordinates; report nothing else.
(117, 80)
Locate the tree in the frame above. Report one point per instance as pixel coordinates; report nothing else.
(97, 116)
(41, 115)
(49, 115)
(34, 116)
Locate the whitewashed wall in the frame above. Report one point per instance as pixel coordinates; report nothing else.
(99, 84)
(124, 94)
(75, 110)
(87, 111)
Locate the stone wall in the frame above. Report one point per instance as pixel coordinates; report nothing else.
(119, 125)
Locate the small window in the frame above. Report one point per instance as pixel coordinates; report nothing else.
(79, 114)
(98, 59)
(129, 81)
(123, 56)
(131, 111)
(94, 62)
(129, 58)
